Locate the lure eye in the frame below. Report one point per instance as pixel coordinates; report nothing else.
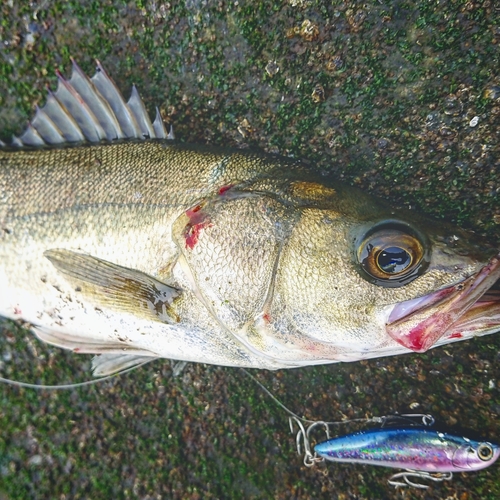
(391, 254)
(485, 451)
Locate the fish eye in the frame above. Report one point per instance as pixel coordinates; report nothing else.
(485, 451)
(392, 254)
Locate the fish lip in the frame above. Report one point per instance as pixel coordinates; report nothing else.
(419, 323)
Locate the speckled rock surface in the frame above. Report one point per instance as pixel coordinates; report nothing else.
(399, 98)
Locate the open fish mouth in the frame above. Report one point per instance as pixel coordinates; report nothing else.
(468, 307)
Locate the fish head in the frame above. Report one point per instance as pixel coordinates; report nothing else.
(374, 281)
(315, 272)
(474, 455)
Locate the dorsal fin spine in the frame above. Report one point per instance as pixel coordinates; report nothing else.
(79, 109)
(31, 136)
(170, 135)
(100, 108)
(46, 127)
(159, 126)
(58, 113)
(113, 96)
(138, 109)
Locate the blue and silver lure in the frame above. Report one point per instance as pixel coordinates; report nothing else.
(424, 453)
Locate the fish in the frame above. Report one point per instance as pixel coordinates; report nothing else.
(120, 241)
(413, 448)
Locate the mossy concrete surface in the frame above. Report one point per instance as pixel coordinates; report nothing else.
(399, 98)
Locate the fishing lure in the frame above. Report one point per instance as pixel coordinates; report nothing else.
(425, 453)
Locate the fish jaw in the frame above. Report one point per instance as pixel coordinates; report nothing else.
(418, 324)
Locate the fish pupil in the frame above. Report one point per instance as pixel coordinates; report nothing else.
(393, 260)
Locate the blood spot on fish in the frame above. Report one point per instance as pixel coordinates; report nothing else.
(197, 221)
(420, 338)
(224, 189)
(266, 317)
(190, 213)
(192, 235)
(456, 335)
(416, 339)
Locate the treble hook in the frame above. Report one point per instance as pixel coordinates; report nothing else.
(304, 435)
(437, 478)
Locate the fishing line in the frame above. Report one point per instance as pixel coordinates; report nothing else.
(305, 420)
(69, 386)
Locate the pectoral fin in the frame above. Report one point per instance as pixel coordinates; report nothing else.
(117, 287)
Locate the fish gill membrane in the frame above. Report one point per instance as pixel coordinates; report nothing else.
(116, 240)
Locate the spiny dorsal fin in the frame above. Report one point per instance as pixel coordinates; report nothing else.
(91, 110)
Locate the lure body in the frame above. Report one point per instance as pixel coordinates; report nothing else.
(412, 448)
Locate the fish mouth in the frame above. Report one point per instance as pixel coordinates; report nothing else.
(471, 306)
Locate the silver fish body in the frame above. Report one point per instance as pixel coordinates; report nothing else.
(138, 249)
